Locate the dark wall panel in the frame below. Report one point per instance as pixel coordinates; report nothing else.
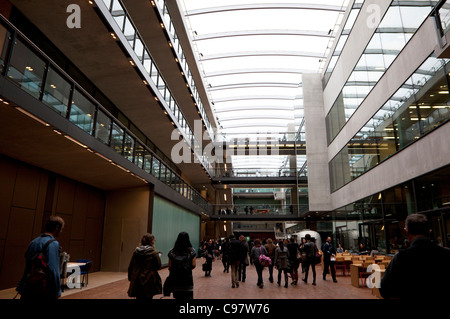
(28, 196)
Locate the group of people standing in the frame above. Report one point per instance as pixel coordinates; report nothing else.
(285, 256)
(236, 253)
(401, 279)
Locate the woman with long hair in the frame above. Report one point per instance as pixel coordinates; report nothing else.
(182, 259)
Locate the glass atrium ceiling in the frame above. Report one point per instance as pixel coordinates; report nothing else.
(253, 53)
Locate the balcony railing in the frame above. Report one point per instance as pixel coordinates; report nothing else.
(126, 32)
(442, 16)
(260, 210)
(23, 63)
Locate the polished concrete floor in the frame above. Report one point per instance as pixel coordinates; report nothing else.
(218, 286)
(114, 285)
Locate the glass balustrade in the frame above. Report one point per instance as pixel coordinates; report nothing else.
(24, 64)
(129, 30)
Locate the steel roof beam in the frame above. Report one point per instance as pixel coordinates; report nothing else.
(231, 34)
(253, 85)
(254, 107)
(259, 70)
(262, 53)
(255, 97)
(265, 6)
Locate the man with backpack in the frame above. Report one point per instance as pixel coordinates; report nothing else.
(41, 278)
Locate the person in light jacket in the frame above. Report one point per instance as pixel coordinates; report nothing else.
(282, 262)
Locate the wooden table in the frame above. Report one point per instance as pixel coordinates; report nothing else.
(354, 274)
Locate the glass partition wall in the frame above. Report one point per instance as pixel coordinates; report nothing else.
(419, 106)
(378, 221)
(397, 27)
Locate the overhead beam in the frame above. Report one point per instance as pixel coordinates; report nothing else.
(253, 85)
(265, 6)
(259, 70)
(262, 53)
(248, 33)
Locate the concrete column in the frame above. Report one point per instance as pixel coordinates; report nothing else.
(316, 146)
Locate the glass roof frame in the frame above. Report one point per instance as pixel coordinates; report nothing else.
(238, 60)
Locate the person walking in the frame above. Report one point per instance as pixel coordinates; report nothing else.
(294, 262)
(47, 239)
(143, 275)
(270, 247)
(256, 251)
(282, 262)
(309, 249)
(302, 254)
(209, 256)
(182, 259)
(224, 249)
(329, 255)
(421, 270)
(234, 256)
(244, 262)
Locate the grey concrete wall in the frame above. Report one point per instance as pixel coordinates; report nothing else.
(316, 148)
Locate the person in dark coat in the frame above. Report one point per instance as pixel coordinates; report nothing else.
(225, 251)
(294, 262)
(309, 249)
(182, 259)
(329, 253)
(256, 251)
(244, 261)
(208, 249)
(145, 281)
(234, 257)
(420, 271)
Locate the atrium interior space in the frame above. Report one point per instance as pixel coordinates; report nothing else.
(264, 119)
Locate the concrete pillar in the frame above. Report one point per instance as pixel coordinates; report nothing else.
(316, 147)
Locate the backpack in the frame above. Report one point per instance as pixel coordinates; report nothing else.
(181, 266)
(38, 282)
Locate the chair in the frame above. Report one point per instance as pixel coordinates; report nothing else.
(356, 260)
(364, 274)
(340, 263)
(84, 271)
